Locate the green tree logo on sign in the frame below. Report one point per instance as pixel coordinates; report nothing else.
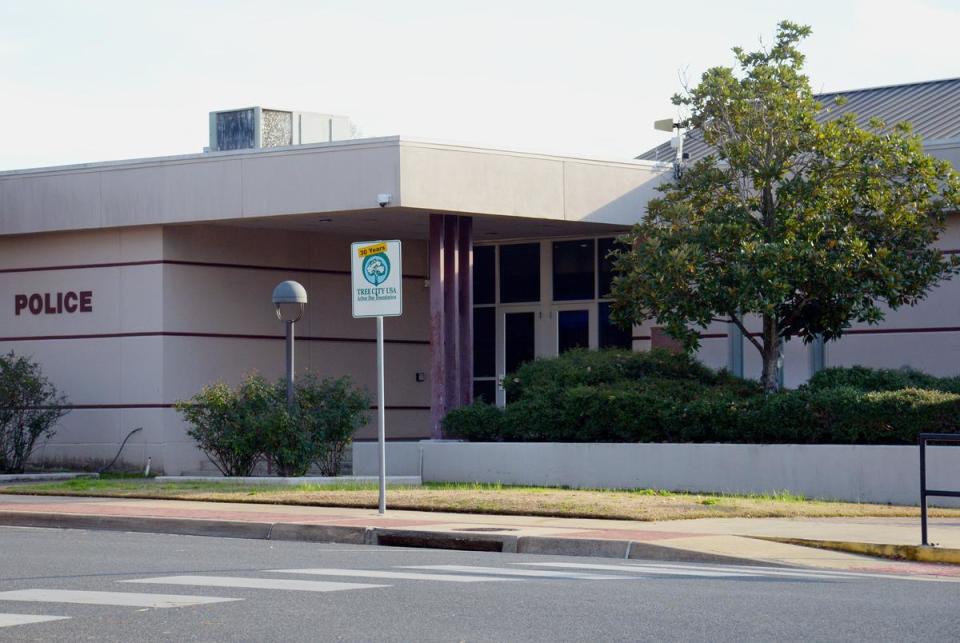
(376, 268)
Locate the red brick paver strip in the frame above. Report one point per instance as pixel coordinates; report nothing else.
(92, 509)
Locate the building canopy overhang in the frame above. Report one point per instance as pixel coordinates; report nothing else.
(337, 187)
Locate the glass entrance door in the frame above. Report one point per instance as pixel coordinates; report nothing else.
(521, 342)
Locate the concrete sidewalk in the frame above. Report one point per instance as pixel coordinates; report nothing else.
(734, 540)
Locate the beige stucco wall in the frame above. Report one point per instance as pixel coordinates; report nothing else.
(235, 300)
(924, 337)
(105, 376)
(470, 180)
(161, 330)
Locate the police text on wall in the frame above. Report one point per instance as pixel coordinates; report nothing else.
(54, 303)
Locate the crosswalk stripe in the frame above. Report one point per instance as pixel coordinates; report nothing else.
(645, 570)
(9, 620)
(756, 571)
(123, 599)
(527, 573)
(829, 574)
(254, 583)
(370, 573)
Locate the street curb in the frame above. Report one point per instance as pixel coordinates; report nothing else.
(45, 477)
(916, 553)
(412, 481)
(387, 537)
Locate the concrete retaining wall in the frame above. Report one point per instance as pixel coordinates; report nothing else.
(881, 474)
(403, 458)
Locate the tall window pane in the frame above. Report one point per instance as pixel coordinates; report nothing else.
(520, 273)
(612, 336)
(484, 277)
(573, 266)
(573, 330)
(605, 271)
(484, 342)
(519, 339)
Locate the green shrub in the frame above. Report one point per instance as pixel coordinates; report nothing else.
(236, 428)
(30, 409)
(331, 410)
(227, 424)
(478, 422)
(534, 418)
(618, 396)
(881, 379)
(584, 367)
(895, 417)
(614, 413)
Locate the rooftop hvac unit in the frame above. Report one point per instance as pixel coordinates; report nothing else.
(259, 127)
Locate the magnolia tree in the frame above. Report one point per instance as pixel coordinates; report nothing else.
(808, 226)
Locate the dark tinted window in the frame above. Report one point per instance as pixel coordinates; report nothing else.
(573, 330)
(485, 390)
(484, 342)
(519, 339)
(605, 273)
(484, 275)
(520, 273)
(573, 266)
(612, 336)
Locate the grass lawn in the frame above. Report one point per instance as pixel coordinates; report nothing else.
(638, 504)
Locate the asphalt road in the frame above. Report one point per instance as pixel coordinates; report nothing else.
(149, 587)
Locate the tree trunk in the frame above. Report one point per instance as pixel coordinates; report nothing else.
(770, 339)
(770, 355)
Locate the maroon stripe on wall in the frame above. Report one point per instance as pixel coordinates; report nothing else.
(855, 331)
(178, 262)
(887, 331)
(703, 336)
(307, 338)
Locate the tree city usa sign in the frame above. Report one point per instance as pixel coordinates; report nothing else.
(376, 279)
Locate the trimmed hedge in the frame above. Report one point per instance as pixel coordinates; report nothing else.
(882, 379)
(618, 396)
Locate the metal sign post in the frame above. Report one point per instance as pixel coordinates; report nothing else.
(376, 279)
(381, 418)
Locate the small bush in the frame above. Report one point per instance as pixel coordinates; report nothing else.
(30, 409)
(331, 411)
(227, 424)
(478, 422)
(236, 428)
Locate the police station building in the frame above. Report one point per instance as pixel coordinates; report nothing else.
(135, 283)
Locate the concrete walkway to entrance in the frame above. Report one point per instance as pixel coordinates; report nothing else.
(733, 540)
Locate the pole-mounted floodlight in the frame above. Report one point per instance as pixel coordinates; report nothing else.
(289, 298)
(668, 125)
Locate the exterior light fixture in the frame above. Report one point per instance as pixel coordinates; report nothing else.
(289, 299)
(668, 125)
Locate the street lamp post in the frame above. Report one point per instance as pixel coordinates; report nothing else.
(289, 299)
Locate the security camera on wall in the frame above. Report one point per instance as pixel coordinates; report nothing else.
(384, 199)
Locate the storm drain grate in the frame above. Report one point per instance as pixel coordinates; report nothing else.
(438, 542)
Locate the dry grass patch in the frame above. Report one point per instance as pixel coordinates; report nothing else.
(642, 504)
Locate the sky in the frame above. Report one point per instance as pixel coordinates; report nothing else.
(84, 81)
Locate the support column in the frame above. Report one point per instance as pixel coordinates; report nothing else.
(438, 407)
(465, 309)
(451, 316)
(451, 282)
